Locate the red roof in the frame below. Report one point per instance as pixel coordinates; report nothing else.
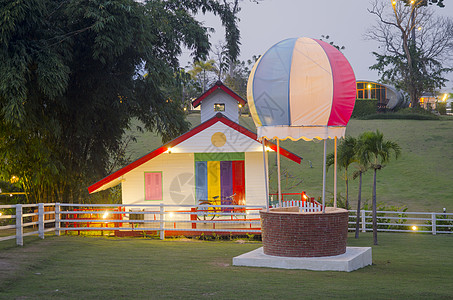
(217, 118)
(215, 87)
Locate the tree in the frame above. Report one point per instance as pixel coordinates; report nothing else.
(71, 81)
(376, 152)
(346, 155)
(362, 167)
(326, 38)
(414, 63)
(200, 72)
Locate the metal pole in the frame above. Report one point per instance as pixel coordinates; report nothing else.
(278, 173)
(324, 180)
(265, 174)
(335, 177)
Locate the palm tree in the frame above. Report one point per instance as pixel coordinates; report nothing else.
(345, 157)
(362, 167)
(202, 67)
(376, 152)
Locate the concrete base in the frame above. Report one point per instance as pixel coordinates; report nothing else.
(354, 258)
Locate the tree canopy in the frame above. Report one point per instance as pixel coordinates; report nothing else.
(415, 46)
(74, 73)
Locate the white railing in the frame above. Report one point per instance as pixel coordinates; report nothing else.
(182, 218)
(403, 221)
(304, 206)
(31, 219)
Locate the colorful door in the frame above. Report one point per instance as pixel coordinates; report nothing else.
(220, 178)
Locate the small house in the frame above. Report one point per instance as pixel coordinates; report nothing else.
(218, 161)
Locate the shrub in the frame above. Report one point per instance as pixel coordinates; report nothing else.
(405, 113)
(381, 216)
(364, 108)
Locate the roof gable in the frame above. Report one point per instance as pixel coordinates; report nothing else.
(107, 182)
(218, 85)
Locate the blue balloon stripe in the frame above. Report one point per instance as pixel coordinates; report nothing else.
(271, 84)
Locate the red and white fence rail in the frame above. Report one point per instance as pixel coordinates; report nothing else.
(18, 221)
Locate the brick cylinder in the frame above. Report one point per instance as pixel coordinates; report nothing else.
(288, 233)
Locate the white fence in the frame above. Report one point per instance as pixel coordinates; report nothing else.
(17, 221)
(304, 206)
(28, 220)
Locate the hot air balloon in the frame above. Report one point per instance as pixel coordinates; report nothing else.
(301, 88)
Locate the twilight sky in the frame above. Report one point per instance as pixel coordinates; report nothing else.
(264, 24)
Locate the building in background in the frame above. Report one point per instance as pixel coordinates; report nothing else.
(386, 96)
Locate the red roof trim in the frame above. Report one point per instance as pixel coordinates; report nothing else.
(217, 118)
(215, 87)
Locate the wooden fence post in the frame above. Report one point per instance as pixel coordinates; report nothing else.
(433, 223)
(19, 226)
(162, 222)
(41, 220)
(57, 219)
(363, 217)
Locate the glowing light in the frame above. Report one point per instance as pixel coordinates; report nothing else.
(240, 105)
(1, 213)
(171, 215)
(419, 28)
(305, 197)
(393, 2)
(369, 86)
(14, 179)
(268, 149)
(414, 228)
(168, 150)
(185, 108)
(445, 97)
(105, 215)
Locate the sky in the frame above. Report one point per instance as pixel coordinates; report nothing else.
(265, 24)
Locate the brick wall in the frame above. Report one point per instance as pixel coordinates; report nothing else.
(293, 234)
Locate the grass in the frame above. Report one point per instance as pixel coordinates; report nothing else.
(420, 179)
(405, 266)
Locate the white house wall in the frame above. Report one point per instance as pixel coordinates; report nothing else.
(201, 142)
(219, 96)
(255, 191)
(178, 182)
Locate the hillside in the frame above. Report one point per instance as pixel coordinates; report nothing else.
(420, 179)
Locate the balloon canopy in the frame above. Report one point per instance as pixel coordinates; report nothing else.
(301, 88)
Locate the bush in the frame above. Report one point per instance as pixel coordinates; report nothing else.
(364, 108)
(380, 216)
(405, 113)
(442, 220)
(442, 108)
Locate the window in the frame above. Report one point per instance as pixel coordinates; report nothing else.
(153, 186)
(219, 107)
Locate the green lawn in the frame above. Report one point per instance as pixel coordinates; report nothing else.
(405, 266)
(420, 179)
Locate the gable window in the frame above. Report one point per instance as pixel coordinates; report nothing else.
(153, 186)
(219, 107)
